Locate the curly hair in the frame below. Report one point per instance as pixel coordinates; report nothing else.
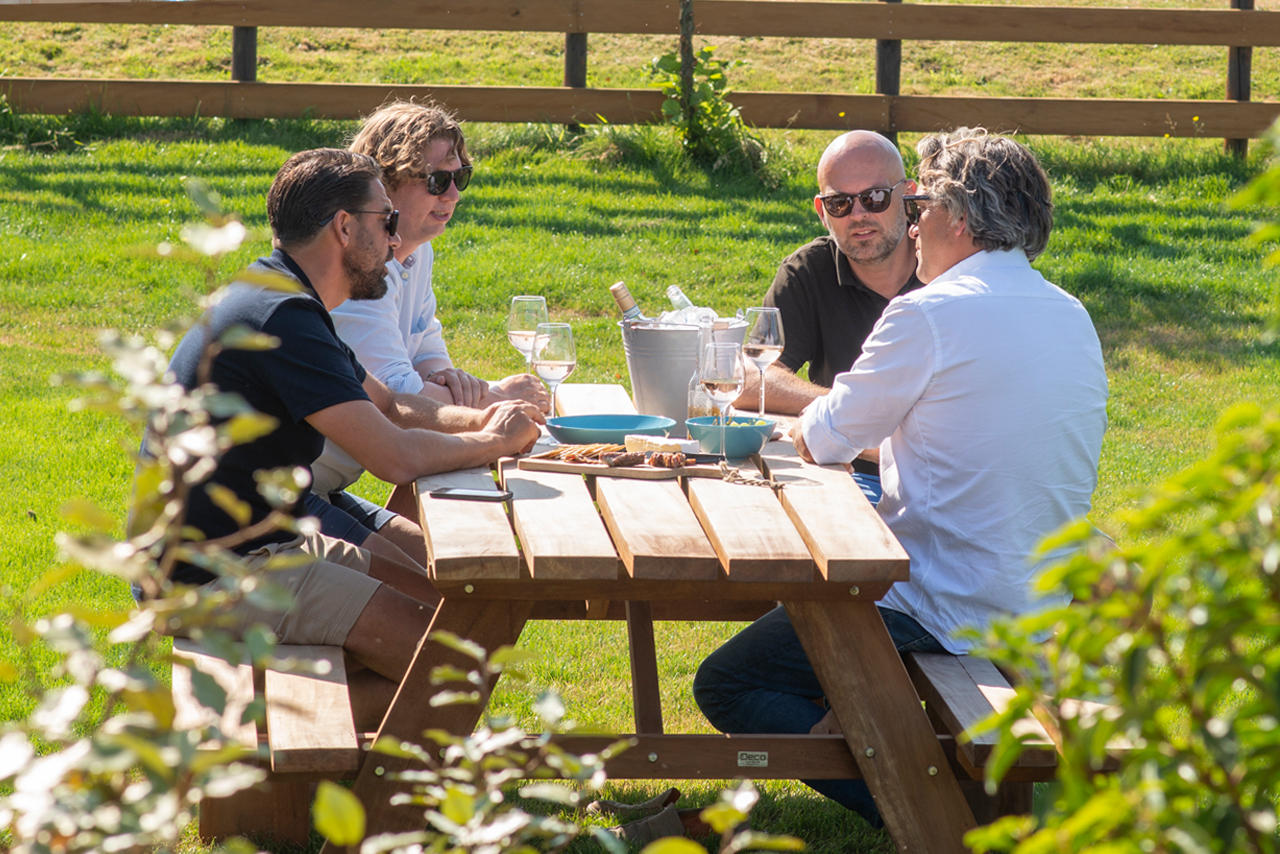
(994, 183)
(397, 135)
(312, 186)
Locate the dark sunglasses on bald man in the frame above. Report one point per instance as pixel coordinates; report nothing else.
(438, 182)
(875, 200)
(390, 223)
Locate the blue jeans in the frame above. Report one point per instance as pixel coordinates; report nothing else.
(347, 517)
(760, 681)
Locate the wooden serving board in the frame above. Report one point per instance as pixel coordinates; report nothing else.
(636, 472)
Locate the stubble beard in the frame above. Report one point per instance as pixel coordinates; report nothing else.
(367, 281)
(878, 251)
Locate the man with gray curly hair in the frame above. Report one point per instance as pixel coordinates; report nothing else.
(986, 394)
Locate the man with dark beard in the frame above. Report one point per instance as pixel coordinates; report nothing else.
(832, 291)
(334, 230)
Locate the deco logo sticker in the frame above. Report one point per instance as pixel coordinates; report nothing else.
(753, 759)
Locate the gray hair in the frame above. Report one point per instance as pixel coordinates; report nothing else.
(994, 183)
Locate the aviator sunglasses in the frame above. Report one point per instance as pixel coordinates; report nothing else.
(875, 200)
(438, 182)
(390, 223)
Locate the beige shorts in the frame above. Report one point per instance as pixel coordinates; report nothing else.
(328, 594)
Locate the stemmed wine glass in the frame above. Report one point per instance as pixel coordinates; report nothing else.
(522, 321)
(554, 357)
(764, 341)
(722, 376)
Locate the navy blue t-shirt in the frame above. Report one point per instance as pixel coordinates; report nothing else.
(310, 370)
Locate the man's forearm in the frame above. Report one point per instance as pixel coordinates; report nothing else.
(431, 453)
(784, 392)
(416, 410)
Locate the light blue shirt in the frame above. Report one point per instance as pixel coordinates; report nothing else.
(391, 337)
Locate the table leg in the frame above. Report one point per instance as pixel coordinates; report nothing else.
(646, 696)
(884, 724)
(491, 624)
(404, 500)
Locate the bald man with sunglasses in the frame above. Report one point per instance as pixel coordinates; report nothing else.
(832, 291)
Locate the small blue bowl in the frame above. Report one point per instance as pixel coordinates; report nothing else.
(596, 429)
(743, 435)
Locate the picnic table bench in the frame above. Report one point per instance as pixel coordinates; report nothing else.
(662, 550)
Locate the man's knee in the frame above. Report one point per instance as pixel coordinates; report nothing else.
(712, 689)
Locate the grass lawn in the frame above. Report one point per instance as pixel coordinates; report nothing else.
(1179, 298)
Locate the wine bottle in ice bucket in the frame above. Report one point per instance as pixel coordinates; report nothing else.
(700, 403)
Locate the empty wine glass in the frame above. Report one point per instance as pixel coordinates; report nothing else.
(554, 357)
(764, 341)
(722, 376)
(522, 321)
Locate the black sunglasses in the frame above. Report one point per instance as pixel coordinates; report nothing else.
(910, 202)
(875, 200)
(391, 222)
(438, 182)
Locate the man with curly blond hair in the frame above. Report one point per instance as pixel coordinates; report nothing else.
(986, 395)
(422, 153)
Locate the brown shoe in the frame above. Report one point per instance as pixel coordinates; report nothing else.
(652, 806)
(646, 830)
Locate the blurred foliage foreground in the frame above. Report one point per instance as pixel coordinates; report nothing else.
(118, 776)
(1178, 634)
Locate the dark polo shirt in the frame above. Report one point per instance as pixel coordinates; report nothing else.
(309, 370)
(827, 313)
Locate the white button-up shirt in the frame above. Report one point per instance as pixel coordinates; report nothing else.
(391, 337)
(986, 394)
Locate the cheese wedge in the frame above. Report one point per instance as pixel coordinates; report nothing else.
(644, 444)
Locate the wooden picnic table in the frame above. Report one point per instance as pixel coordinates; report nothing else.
(608, 548)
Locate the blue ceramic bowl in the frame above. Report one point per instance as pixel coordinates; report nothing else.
(744, 435)
(594, 429)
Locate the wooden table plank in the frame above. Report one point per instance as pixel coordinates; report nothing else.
(593, 399)
(309, 726)
(750, 532)
(559, 529)
(884, 724)
(673, 590)
(467, 539)
(848, 539)
(655, 531)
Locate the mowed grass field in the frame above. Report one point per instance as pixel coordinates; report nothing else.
(1180, 299)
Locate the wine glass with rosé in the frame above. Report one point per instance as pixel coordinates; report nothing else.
(554, 357)
(763, 342)
(522, 323)
(722, 376)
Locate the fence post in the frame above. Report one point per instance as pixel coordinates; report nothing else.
(1239, 73)
(889, 70)
(686, 64)
(244, 54)
(575, 67)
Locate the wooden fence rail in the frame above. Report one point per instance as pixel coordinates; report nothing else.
(1234, 118)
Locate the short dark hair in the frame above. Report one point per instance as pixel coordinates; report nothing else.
(314, 185)
(996, 184)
